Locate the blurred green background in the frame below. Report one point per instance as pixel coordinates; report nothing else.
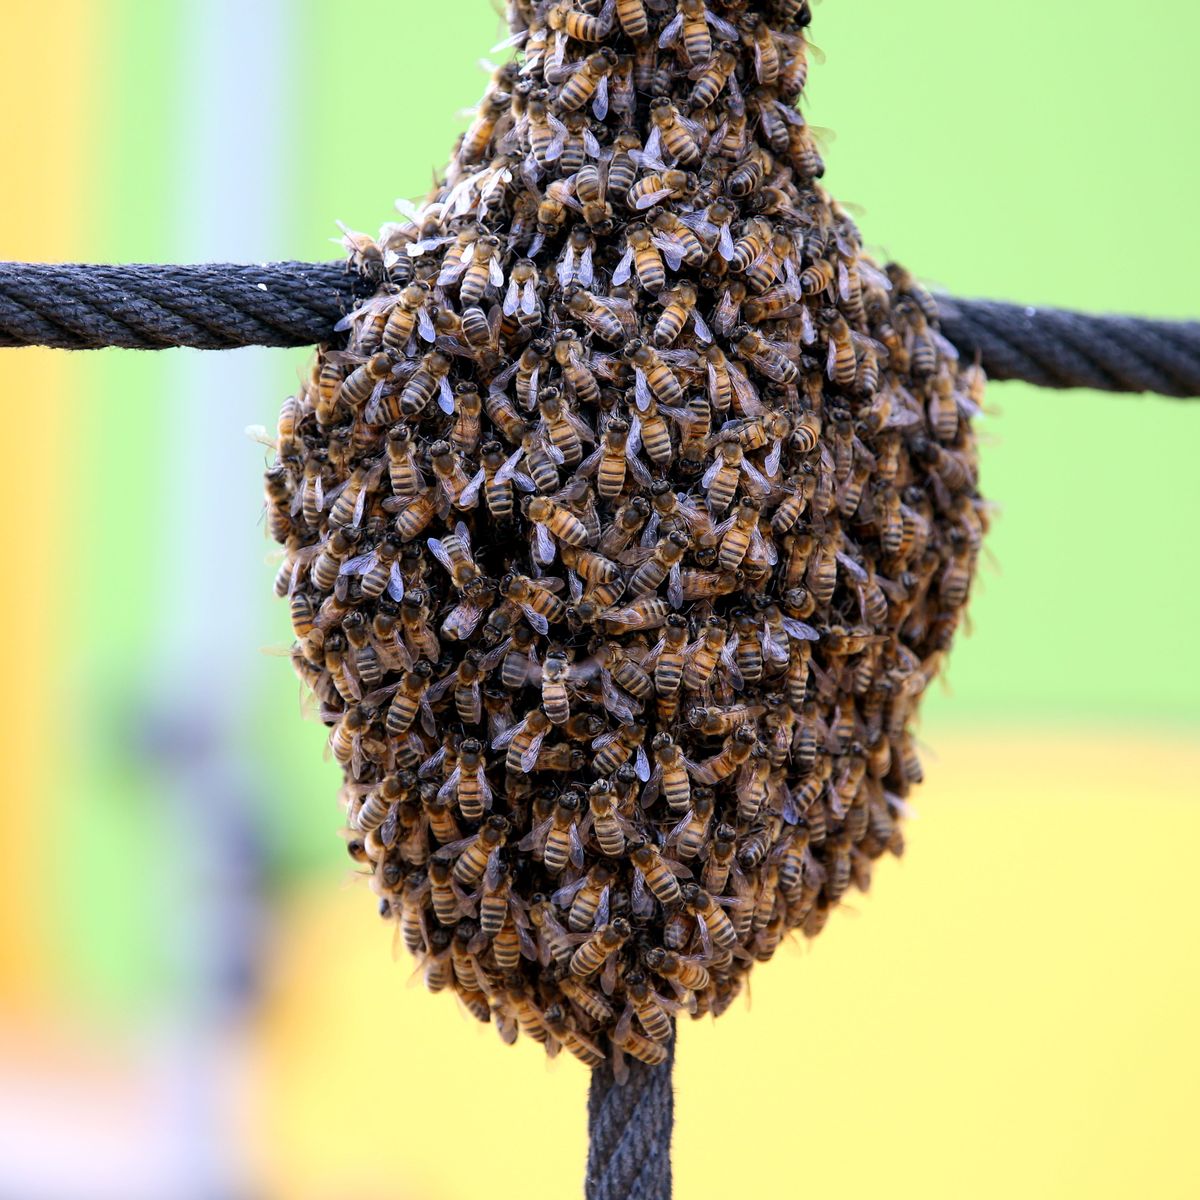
(183, 816)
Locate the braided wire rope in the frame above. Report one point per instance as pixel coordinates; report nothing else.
(220, 306)
(629, 1132)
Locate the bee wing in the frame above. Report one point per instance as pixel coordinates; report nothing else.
(395, 585)
(711, 474)
(614, 702)
(503, 739)
(529, 299)
(762, 549)
(641, 390)
(544, 546)
(671, 32)
(799, 630)
(605, 739)
(449, 787)
(678, 829)
(728, 660)
(640, 899)
(602, 910)
(624, 268)
(439, 689)
(536, 620)
(758, 482)
(641, 764)
(727, 31)
(511, 298)
(672, 251)
(745, 391)
(650, 199)
(853, 569)
(771, 462)
(535, 835)
(600, 100)
(587, 273)
(675, 586)
(700, 327)
(576, 847)
(470, 494)
(530, 757)
(438, 550)
(705, 937)
(359, 565)
(633, 443)
(566, 894)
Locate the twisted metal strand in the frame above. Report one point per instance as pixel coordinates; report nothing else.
(629, 1133)
(1056, 348)
(218, 306)
(214, 306)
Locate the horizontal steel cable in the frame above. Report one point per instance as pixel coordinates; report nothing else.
(219, 306)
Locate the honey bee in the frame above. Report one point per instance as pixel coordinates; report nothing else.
(686, 974)
(589, 82)
(607, 823)
(419, 638)
(654, 379)
(678, 239)
(766, 357)
(652, 1011)
(600, 315)
(618, 747)
(716, 929)
(409, 699)
(569, 355)
(690, 835)
(655, 874)
(606, 941)
(586, 999)
(624, 527)
(643, 256)
(551, 520)
(473, 858)
(477, 138)
(540, 606)
(672, 133)
(736, 751)
(431, 376)
(632, 15)
(679, 306)
(403, 473)
(646, 612)
(588, 899)
(669, 658)
(643, 1049)
(454, 553)
(650, 189)
(524, 740)
(664, 561)
(690, 27)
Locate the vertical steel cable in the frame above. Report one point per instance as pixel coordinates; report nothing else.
(629, 1132)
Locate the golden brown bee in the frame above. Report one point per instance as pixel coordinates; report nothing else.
(712, 80)
(593, 953)
(679, 306)
(650, 189)
(600, 316)
(585, 83)
(675, 134)
(471, 863)
(625, 525)
(643, 257)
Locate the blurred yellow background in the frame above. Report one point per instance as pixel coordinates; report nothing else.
(195, 1003)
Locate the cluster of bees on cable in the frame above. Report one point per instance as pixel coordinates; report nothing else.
(625, 532)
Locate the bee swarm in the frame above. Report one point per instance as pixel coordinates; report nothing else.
(627, 531)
